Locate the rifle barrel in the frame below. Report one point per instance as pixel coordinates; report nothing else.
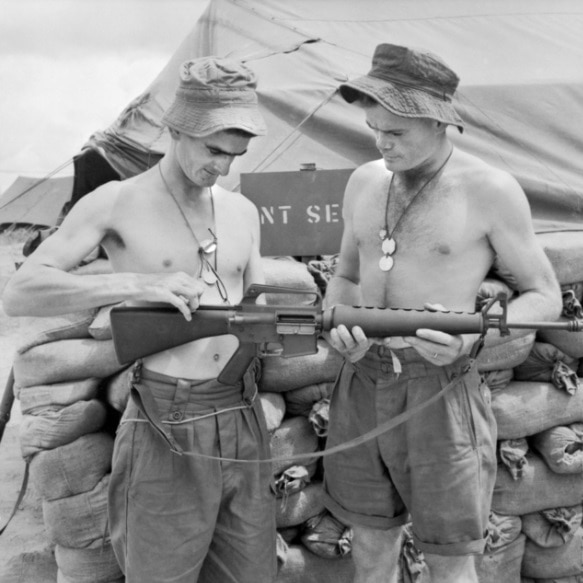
(569, 325)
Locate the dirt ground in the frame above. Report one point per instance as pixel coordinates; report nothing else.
(26, 554)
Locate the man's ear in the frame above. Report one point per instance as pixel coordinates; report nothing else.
(174, 133)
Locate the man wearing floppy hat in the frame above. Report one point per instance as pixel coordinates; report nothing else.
(422, 227)
(173, 236)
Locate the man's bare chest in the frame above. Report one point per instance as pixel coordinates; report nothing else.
(163, 242)
(438, 222)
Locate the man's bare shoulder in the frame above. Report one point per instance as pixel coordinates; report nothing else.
(485, 182)
(475, 170)
(234, 200)
(367, 176)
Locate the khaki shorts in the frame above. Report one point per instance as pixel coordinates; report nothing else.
(437, 469)
(183, 518)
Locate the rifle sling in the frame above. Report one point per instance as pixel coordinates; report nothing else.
(21, 494)
(369, 435)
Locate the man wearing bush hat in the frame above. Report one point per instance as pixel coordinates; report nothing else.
(174, 237)
(422, 226)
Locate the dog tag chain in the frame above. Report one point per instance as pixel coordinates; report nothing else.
(388, 243)
(206, 247)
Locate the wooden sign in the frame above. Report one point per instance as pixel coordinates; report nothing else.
(301, 212)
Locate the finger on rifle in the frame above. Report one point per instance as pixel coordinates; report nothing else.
(435, 336)
(359, 335)
(181, 303)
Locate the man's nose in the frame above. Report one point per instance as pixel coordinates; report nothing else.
(223, 165)
(384, 142)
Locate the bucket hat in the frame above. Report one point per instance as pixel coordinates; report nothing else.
(408, 83)
(215, 94)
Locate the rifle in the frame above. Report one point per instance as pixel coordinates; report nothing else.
(290, 331)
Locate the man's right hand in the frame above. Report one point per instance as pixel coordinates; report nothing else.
(178, 289)
(353, 345)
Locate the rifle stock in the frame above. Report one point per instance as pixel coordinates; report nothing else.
(290, 331)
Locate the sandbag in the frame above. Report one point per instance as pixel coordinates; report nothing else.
(498, 379)
(117, 388)
(303, 566)
(538, 489)
(502, 565)
(511, 351)
(501, 531)
(73, 468)
(32, 399)
(78, 521)
(300, 401)
(299, 507)
(286, 374)
(322, 270)
(65, 360)
(562, 448)
(57, 428)
(294, 436)
(273, 406)
(562, 561)
(326, 536)
(64, 327)
(100, 328)
(319, 417)
(512, 453)
(553, 527)
(290, 534)
(290, 481)
(287, 272)
(563, 248)
(91, 565)
(525, 408)
(547, 363)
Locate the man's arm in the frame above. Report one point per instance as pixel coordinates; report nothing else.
(344, 286)
(512, 237)
(254, 270)
(43, 286)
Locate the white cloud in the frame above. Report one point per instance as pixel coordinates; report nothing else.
(68, 68)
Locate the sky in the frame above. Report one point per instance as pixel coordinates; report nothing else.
(69, 67)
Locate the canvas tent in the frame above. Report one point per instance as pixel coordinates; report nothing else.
(33, 201)
(520, 64)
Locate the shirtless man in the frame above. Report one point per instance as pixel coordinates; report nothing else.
(174, 237)
(422, 227)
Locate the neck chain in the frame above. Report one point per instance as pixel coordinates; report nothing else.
(388, 244)
(205, 248)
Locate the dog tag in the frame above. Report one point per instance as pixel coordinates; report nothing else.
(386, 263)
(388, 246)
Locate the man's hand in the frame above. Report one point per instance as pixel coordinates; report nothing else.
(178, 289)
(440, 348)
(351, 344)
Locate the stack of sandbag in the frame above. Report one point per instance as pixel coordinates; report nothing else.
(66, 439)
(299, 389)
(539, 414)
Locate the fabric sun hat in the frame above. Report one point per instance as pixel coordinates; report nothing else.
(215, 94)
(408, 83)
